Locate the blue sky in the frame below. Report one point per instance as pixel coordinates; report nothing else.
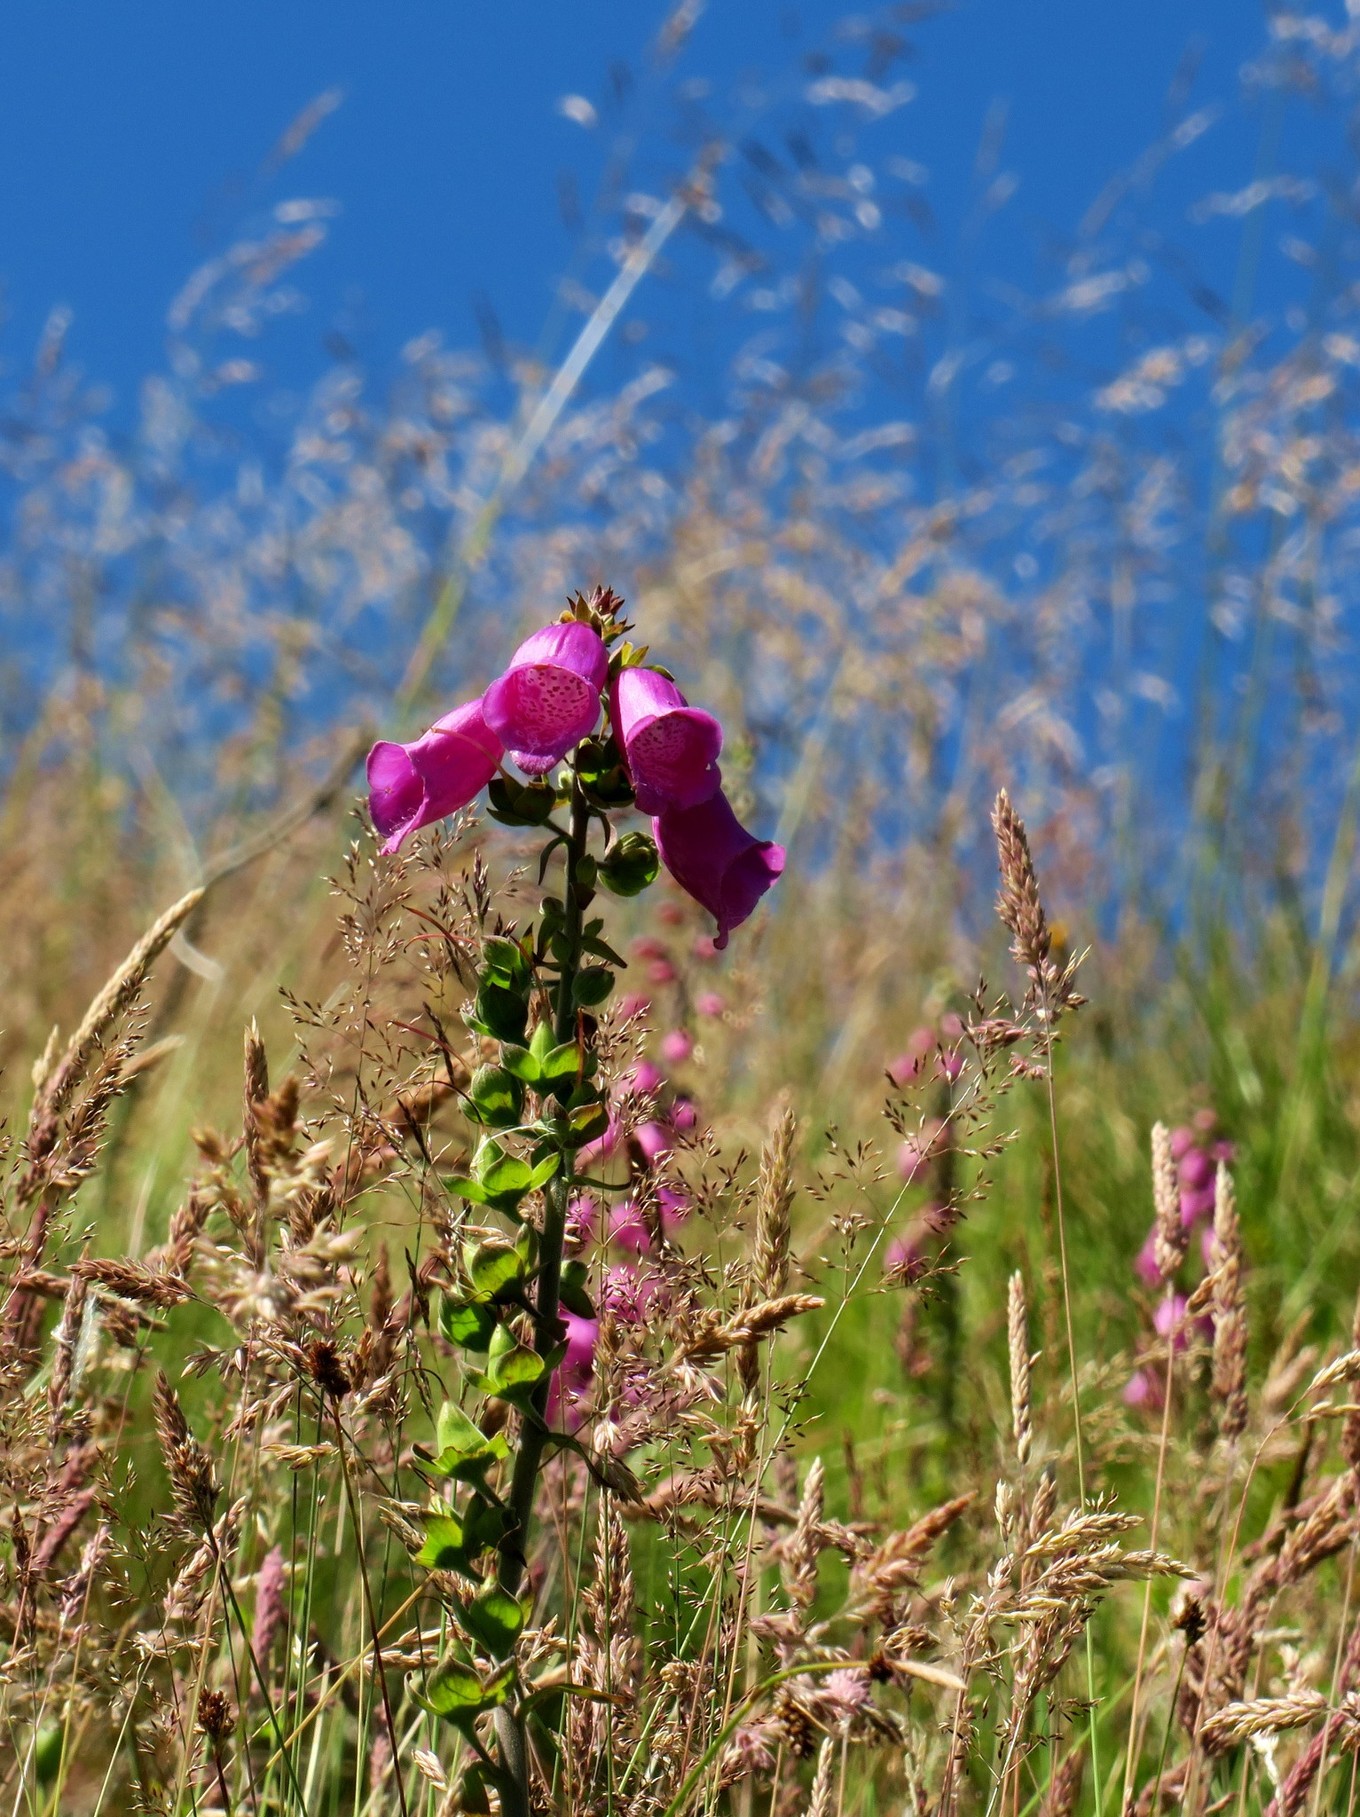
(135, 137)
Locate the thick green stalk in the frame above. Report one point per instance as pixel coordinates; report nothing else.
(510, 1733)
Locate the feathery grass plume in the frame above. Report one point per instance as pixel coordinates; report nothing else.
(61, 1080)
(1064, 1788)
(1020, 909)
(256, 1090)
(65, 1339)
(193, 1484)
(270, 1585)
(1229, 1310)
(1017, 1335)
(1171, 1236)
(822, 1803)
(1350, 1427)
(769, 1266)
(804, 1548)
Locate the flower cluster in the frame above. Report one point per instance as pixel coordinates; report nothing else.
(659, 752)
(1196, 1151)
(647, 1118)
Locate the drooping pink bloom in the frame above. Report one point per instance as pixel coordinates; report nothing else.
(631, 1229)
(684, 1117)
(1196, 1169)
(661, 971)
(709, 1003)
(549, 698)
(1145, 1263)
(704, 947)
(641, 1079)
(632, 1291)
(410, 785)
(571, 1379)
(1143, 1389)
(1197, 1205)
(655, 1139)
(670, 749)
(711, 855)
(1168, 1320)
(918, 1149)
(633, 1003)
(676, 1046)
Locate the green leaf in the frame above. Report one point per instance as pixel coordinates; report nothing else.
(603, 950)
(496, 1097)
(504, 1178)
(494, 1268)
(592, 985)
(515, 1375)
(495, 1618)
(541, 1042)
(504, 961)
(443, 1549)
(573, 1291)
(483, 1525)
(544, 1170)
(630, 865)
(465, 1189)
(458, 1694)
(469, 1323)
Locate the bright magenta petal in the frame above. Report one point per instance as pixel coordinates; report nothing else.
(549, 698)
(411, 785)
(670, 749)
(711, 855)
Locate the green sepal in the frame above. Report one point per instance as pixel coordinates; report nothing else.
(495, 1618)
(463, 1453)
(444, 1548)
(602, 950)
(499, 1011)
(495, 1097)
(471, 1324)
(505, 962)
(573, 1292)
(630, 865)
(592, 985)
(520, 803)
(495, 1269)
(514, 1376)
(586, 1121)
(460, 1695)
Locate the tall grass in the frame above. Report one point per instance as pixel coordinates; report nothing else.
(995, 1515)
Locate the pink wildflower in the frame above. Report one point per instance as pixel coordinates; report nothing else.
(713, 857)
(709, 1003)
(670, 749)
(677, 1046)
(411, 785)
(549, 698)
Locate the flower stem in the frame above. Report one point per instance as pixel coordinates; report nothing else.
(511, 1739)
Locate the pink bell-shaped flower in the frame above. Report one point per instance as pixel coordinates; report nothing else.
(711, 855)
(670, 749)
(410, 785)
(549, 698)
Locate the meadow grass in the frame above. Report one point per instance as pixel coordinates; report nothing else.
(982, 1439)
